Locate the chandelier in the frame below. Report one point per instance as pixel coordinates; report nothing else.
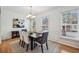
(30, 16)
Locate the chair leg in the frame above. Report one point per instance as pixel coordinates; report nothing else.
(27, 47)
(19, 42)
(42, 48)
(47, 45)
(23, 44)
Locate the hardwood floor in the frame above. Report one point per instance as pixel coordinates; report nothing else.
(5, 47)
(68, 49)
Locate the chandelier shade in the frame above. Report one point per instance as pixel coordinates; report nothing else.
(30, 16)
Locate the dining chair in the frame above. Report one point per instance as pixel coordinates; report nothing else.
(21, 38)
(26, 39)
(43, 40)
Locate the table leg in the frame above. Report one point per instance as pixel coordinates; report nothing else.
(31, 43)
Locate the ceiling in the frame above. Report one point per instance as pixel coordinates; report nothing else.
(24, 9)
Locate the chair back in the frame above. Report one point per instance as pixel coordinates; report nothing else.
(44, 37)
(21, 36)
(25, 37)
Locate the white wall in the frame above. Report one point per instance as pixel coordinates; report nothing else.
(7, 22)
(55, 18)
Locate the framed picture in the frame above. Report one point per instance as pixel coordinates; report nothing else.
(18, 23)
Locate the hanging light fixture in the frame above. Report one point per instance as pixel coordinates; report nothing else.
(30, 16)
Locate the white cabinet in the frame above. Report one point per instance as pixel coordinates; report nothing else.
(70, 24)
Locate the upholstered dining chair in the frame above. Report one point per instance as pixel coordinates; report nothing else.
(43, 40)
(21, 38)
(26, 39)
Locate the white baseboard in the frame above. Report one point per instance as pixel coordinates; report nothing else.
(71, 43)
